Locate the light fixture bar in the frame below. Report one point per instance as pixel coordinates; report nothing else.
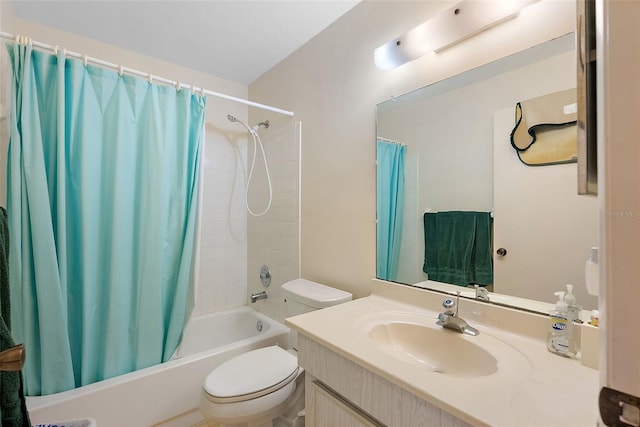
(452, 26)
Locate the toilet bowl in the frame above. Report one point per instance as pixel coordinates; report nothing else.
(265, 385)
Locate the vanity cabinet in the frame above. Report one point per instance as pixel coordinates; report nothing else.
(340, 392)
(324, 407)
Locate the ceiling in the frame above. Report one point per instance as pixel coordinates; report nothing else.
(238, 40)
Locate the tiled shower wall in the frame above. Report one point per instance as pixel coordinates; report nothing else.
(233, 244)
(222, 269)
(274, 238)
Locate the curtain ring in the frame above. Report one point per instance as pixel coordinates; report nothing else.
(121, 71)
(85, 59)
(202, 91)
(56, 49)
(150, 78)
(193, 90)
(178, 86)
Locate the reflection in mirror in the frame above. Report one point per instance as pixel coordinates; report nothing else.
(452, 139)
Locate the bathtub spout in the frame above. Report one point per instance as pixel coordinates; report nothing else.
(258, 296)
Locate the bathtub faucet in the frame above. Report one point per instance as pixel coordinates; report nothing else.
(258, 296)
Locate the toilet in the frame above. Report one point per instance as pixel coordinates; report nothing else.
(265, 387)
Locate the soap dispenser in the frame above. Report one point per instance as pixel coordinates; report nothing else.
(591, 272)
(573, 309)
(573, 317)
(558, 338)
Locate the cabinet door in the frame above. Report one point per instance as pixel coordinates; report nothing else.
(330, 410)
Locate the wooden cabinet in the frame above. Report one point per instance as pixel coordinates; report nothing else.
(341, 393)
(325, 408)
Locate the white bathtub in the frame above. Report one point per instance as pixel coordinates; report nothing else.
(166, 394)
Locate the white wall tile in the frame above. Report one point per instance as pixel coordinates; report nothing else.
(274, 237)
(234, 245)
(222, 276)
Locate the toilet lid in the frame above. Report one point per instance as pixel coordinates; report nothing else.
(314, 294)
(251, 372)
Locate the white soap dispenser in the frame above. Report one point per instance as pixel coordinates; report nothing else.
(573, 309)
(591, 272)
(573, 317)
(558, 339)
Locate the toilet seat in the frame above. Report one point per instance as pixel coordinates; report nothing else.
(251, 375)
(253, 388)
(256, 394)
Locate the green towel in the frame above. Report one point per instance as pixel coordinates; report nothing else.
(12, 403)
(458, 247)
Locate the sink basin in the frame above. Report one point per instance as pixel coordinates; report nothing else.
(417, 340)
(441, 351)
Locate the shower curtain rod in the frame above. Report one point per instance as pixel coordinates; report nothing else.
(391, 141)
(121, 69)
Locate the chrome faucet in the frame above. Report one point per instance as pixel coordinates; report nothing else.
(258, 296)
(481, 293)
(449, 318)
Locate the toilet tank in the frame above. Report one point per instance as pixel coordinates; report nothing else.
(303, 296)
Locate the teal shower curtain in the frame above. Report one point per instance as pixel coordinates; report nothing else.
(390, 207)
(102, 188)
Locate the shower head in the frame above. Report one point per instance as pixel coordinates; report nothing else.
(233, 119)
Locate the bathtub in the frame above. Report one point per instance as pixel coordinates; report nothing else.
(168, 394)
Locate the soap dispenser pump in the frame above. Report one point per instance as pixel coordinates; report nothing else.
(558, 337)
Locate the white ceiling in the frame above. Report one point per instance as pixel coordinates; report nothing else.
(237, 40)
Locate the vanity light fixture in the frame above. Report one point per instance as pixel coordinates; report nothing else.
(458, 23)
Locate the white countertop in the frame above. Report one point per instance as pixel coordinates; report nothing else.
(546, 390)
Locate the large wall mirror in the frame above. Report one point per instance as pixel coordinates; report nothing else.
(452, 140)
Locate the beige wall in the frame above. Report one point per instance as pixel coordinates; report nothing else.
(333, 87)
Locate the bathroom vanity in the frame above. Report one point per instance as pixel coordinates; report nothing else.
(382, 360)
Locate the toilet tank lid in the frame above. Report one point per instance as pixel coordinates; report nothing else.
(314, 294)
(251, 372)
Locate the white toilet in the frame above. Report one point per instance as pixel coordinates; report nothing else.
(265, 387)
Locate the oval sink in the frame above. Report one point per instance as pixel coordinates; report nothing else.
(440, 350)
(417, 340)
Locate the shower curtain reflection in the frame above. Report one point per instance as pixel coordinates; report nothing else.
(103, 181)
(390, 206)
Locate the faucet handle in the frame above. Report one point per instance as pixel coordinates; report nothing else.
(449, 306)
(481, 292)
